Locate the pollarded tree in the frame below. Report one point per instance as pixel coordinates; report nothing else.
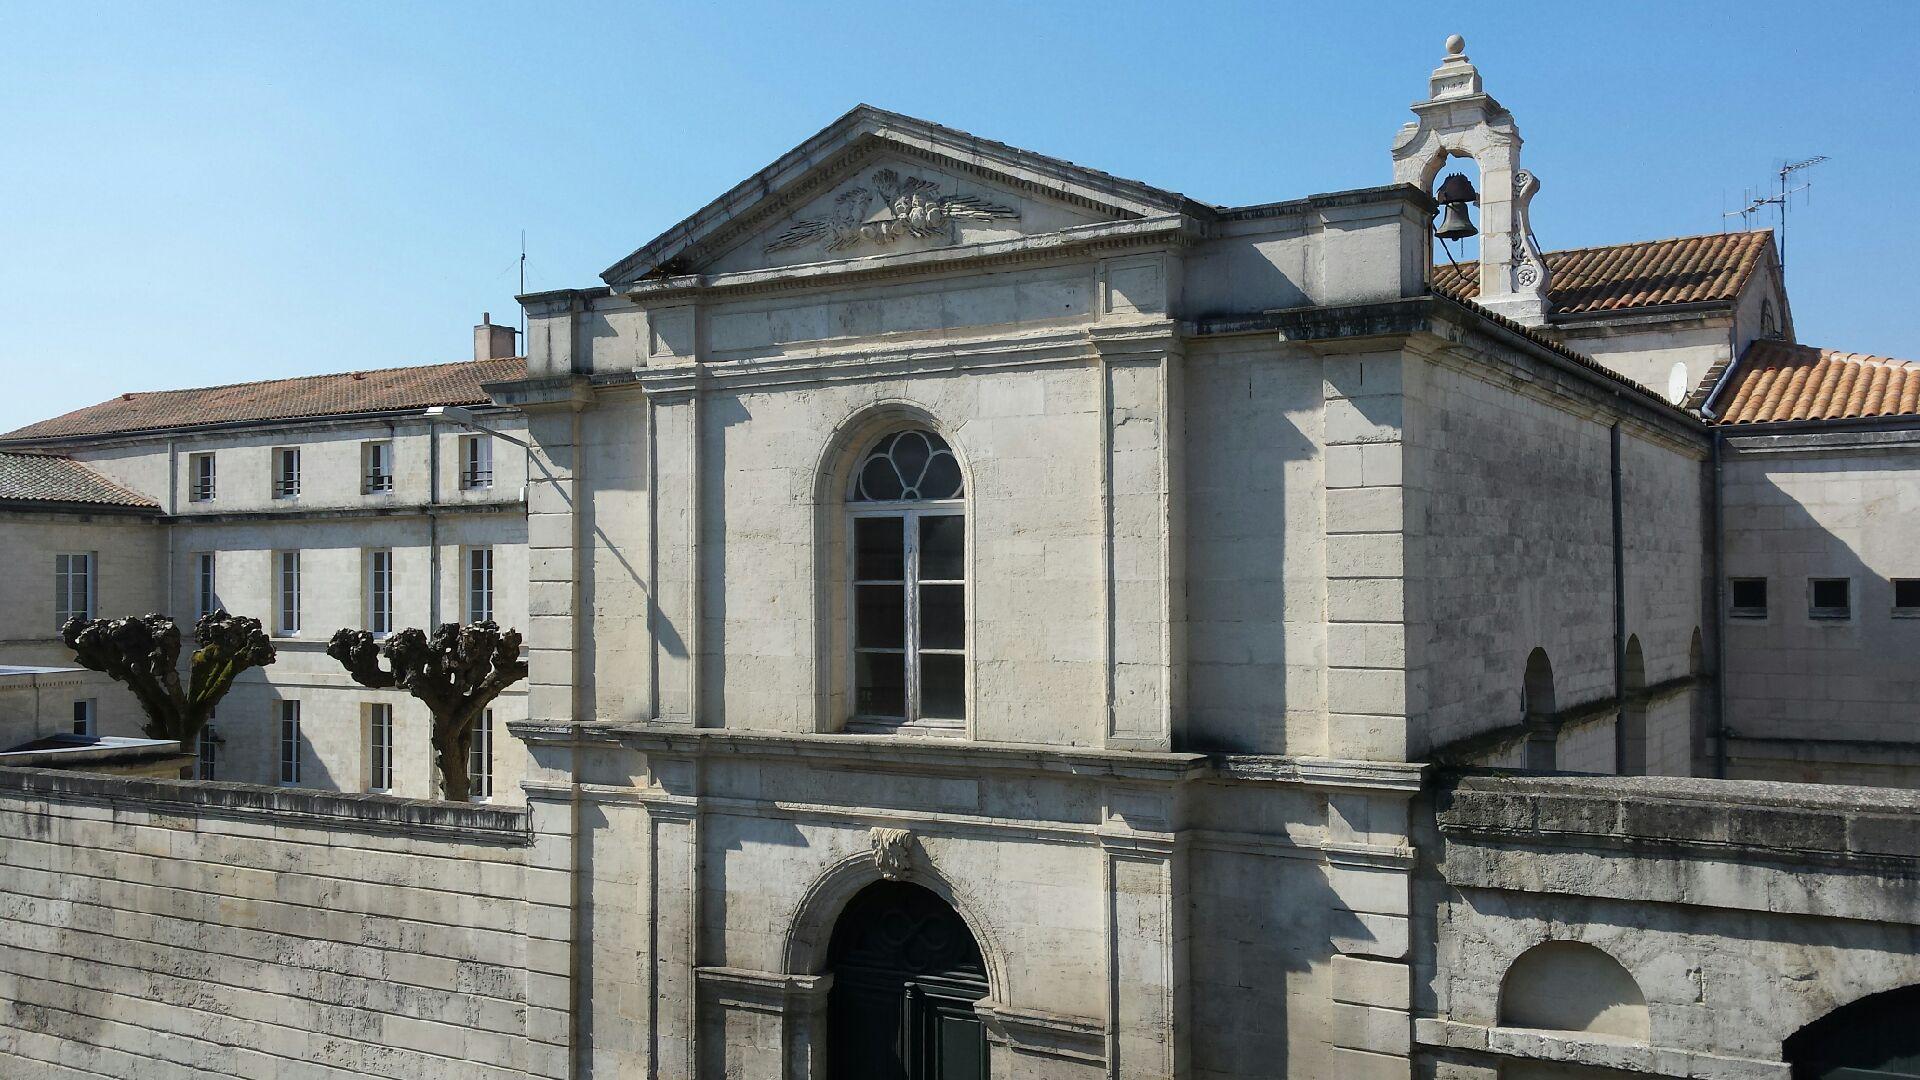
(457, 672)
(144, 653)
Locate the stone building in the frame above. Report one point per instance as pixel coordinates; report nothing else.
(989, 617)
(311, 504)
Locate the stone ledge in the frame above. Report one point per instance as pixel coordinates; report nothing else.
(1582, 1048)
(385, 814)
(1792, 821)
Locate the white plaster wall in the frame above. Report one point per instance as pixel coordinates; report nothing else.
(129, 580)
(1647, 352)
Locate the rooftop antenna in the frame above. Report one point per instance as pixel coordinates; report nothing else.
(523, 290)
(1779, 202)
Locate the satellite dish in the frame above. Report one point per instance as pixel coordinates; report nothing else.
(1677, 383)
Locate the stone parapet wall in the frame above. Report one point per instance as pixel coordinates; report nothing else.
(156, 928)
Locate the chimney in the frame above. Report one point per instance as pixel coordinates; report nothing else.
(492, 342)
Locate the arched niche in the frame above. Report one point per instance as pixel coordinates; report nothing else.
(1538, 711)
(1630, 731)
(1572, 986)
(1876, 1036)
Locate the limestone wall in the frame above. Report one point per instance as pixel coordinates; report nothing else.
(1741, 912)
(163, 929)
(1510, 536)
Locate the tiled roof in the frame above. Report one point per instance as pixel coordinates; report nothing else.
(1684, 270)
(389, 390)
(45, 478)
(1776, 380)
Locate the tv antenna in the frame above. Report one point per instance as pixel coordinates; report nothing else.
(1779, 201)
(523, 290)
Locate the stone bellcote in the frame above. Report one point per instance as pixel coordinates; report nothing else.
(1459, 119)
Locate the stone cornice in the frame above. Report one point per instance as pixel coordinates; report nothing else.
(891, 750)
(348, 513)
(1042, 247)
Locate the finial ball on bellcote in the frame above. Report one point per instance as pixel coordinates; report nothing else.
(1456, 45)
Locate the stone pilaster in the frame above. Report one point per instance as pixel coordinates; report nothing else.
(1147, 938)
(673, 876)
(1143, 560)
(1368, 688)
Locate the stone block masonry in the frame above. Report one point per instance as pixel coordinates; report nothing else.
(161, 929)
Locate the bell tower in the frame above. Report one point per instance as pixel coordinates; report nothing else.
(1459, 119)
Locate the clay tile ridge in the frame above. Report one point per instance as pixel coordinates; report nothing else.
(306, 397)
(1778, 381)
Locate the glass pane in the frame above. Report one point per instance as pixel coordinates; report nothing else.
(942, 480)
(943, 548)
(910, 454)
(880, 684)
(943, 617)
(879, 553)
(878, 481)
(943, 686)
(880, 617)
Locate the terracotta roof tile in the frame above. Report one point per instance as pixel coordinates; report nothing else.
(1684, 270)
(46, 478)
(1776, 381)
(389, 390)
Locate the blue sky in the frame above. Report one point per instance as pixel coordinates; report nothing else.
(200, 194)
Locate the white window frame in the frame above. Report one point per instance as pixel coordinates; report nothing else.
(201, 478)
(910, 513)
(206, 584)
(476, 462)
(380, 747)
(286, 569)
(286, 472)
(480, 580)
(74, 582)
(290, 740)
(380, 591)
(480, 760)
(376, 467)
(86, 716)
(206, 752)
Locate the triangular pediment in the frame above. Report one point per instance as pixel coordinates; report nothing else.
(878, 183)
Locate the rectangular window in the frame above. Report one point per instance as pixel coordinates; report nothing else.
(377, 457)
(206, 598)
(73, 587)
(910, 616)
(288, 622)
(480, 759)
(207, 750)
(476, 458)
(286, 472)
(380, 747)
(380, 592)
(200, 477)
(1749, 598)
(289, 742)
(1829, 598)
(480, 584)
(86, 714)
(1906, 598)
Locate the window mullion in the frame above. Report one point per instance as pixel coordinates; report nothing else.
(910, 572)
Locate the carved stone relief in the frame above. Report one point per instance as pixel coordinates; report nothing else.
(909, 206)
(892, 852)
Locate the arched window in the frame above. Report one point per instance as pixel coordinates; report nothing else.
(909, 606)
(1537, 694)
(1630, 734)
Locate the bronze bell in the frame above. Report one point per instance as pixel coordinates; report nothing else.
(1454, 195)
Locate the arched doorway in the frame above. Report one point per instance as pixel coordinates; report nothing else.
(906, 975)
(1876, 1037)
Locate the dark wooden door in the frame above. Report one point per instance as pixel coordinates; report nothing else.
(906, 976)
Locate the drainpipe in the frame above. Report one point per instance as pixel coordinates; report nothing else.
(1619, 607)
(1718, 557)
(433, 525)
